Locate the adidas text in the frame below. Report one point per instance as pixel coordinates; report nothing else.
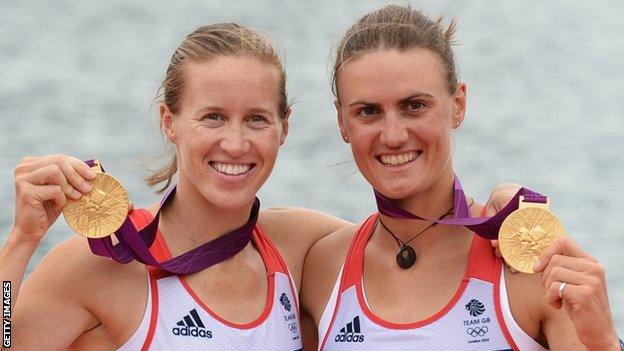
(349, 337)
(192, 331)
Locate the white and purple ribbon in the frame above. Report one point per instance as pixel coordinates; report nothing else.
(134, 244)
(486, 227)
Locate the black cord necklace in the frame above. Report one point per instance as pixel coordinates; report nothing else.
(406, 257)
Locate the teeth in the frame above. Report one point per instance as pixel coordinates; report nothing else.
(230, 169)
(395, 160)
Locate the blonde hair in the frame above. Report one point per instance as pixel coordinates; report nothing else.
(401, 28)
(205, 43)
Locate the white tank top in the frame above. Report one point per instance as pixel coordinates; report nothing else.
(476, 318)
(176, 319)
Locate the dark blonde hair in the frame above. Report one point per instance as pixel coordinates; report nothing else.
(401, 28)
(205, 43)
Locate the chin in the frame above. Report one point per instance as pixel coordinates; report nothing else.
(230, 201)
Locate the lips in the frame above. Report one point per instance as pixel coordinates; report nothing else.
(399, 159)
(230, 168)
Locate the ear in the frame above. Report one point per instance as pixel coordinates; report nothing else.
(341, 125)
(166, 122)
(285, 126)
(459, 99)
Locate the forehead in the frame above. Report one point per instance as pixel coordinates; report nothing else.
(386, 74)
(232, 80)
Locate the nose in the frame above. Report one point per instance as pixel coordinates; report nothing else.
(394, 132)
(234, 142)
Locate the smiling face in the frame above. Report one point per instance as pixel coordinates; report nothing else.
(227, 130)
(396, 110)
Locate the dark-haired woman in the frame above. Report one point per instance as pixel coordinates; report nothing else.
(399, 101)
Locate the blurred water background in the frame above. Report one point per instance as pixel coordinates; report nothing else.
(545, 82)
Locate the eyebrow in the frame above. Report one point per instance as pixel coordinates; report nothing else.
(261, 110)
(221, 110)
(402, 101)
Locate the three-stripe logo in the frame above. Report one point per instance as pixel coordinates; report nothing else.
(351, 332)
(192, 325)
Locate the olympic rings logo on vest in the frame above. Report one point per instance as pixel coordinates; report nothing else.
(477, 331)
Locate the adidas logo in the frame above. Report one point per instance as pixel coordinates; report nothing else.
(192, 325)
(351, 332)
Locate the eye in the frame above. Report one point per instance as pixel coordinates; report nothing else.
(256, 119)
(415, 105)
(367, 111)
(213, 117)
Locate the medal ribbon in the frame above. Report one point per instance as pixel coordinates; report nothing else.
(134, 245)
(486, 227)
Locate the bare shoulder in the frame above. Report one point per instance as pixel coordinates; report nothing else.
(75, 286)
(73, 271)
(321, 269)
(294, 230)
(308, 225)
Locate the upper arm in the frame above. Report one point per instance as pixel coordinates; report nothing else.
(321, 269)
(308, 225)
(294, 230)
(547, 325)
(49, 313)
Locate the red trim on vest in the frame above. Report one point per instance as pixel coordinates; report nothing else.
(268, 305)
(352, 273)
(357, 266)
(271, 257)
(483, 261)
(370, 221)
(482, 264)
(498, 307)
(154, 309)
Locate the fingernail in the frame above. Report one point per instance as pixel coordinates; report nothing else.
(90, 174)
(537, 266)
(75, 194)
(85, 187)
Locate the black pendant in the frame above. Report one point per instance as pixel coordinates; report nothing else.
(406, 257)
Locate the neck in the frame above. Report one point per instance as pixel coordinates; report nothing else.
(430, 204)
(189, 220)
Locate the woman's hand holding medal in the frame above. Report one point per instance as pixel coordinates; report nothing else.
(43, 186)
(576, 281)
(571, 278)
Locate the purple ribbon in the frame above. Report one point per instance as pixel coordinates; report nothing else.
(134, 245)
(486, 227)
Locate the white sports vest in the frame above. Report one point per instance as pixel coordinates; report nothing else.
(176, 319)
(474, 319)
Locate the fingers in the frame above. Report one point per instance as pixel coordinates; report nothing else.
(500, 197)
(562, 246)
(560, 274)
(37, 195)
(557, 263)
(552, 293)
(50, 175)
(70, 173)
(77, 173)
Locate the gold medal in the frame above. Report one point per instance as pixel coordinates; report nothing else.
(526, 233)
(100, 212)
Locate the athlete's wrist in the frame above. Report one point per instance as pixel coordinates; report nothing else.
(610, 343)
(18, 243)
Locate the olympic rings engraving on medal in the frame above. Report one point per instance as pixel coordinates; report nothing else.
(477, 331)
